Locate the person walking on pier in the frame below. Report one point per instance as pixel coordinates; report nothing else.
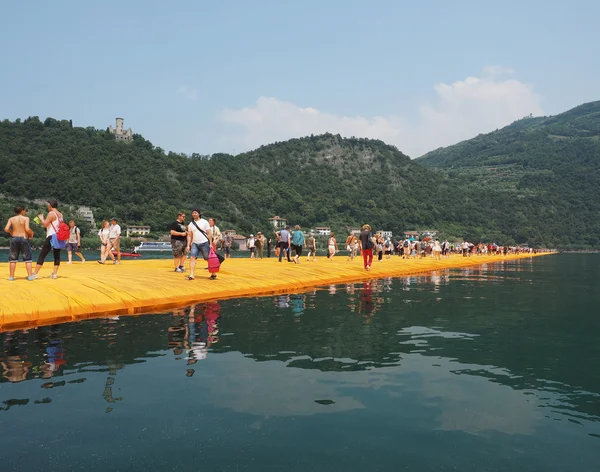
(349, 246)
(115, 239)
(332, 246)
(199, 241)
(259, 243)
(297, 243)
(284, 243)
(227, 240)
(312, 247)
(20, 232)
(74, 243)
(51, 222)
(366, 246)
(178, 242)
(104, 235)
(215, 232)
(251, 243)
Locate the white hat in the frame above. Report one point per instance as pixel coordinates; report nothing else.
(251, 235)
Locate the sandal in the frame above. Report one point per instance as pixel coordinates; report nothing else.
(189, 278)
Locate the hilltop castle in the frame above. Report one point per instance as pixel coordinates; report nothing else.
(120, 133)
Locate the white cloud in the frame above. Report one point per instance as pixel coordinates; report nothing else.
(497, 71)
(460, 111)
(188, 92)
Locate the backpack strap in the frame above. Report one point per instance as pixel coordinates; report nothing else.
(199, 229)
(58, 220)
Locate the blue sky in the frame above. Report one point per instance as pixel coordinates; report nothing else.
(199, 76)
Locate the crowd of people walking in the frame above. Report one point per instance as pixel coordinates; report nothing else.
(202, 237)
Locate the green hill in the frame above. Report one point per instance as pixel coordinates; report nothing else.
(315, 180)
(548, 163)
(520, 184)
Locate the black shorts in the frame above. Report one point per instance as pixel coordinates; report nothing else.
(20, 245)
(298, 249)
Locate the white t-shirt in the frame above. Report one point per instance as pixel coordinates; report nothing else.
(73, 232)
(115, 231)
(104, 233)
(198, 237)
(251, 242)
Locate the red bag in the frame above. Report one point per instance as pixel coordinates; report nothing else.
(63, 232)
(214, 264)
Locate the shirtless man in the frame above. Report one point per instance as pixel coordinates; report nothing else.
(349, 246)
(20, 232)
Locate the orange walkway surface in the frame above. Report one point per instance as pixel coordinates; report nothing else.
(143, 286)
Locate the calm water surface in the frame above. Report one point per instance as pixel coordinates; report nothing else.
(486, 369)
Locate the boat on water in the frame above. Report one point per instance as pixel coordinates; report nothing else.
(147, 246)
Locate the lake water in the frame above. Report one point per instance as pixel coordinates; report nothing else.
(491, 368)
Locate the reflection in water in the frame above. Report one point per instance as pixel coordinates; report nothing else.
(485, 350)
(193, 331)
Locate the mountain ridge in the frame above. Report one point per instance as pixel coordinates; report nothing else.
(513, 185)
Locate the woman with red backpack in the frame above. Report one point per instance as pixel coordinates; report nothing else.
(57, 235)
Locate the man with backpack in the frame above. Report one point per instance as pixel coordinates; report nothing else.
(74, 242)
(57, 234)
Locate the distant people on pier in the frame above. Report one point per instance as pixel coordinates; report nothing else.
(74, 242)
(312, 247)
(297, 243)
(114, 239)
(366, 242)
(105, 248)
(332, 246)
(284, 238)
(259, 244)
(227, 241)
(215, 232)
(251, 245)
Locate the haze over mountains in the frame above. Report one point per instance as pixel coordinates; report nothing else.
(535, 181)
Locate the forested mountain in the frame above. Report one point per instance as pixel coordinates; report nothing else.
(552, 163)
(323, 179)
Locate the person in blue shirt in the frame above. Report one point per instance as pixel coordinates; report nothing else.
(297, 243)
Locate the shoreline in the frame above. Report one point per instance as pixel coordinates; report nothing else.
(85, 291)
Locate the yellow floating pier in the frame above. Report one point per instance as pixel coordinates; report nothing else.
(90, 290)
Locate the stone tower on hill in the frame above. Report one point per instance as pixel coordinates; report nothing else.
(120, 133)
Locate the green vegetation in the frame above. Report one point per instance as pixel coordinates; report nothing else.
(535, 181)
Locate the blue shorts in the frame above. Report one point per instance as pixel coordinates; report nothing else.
(18, 245)
(202, 248)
